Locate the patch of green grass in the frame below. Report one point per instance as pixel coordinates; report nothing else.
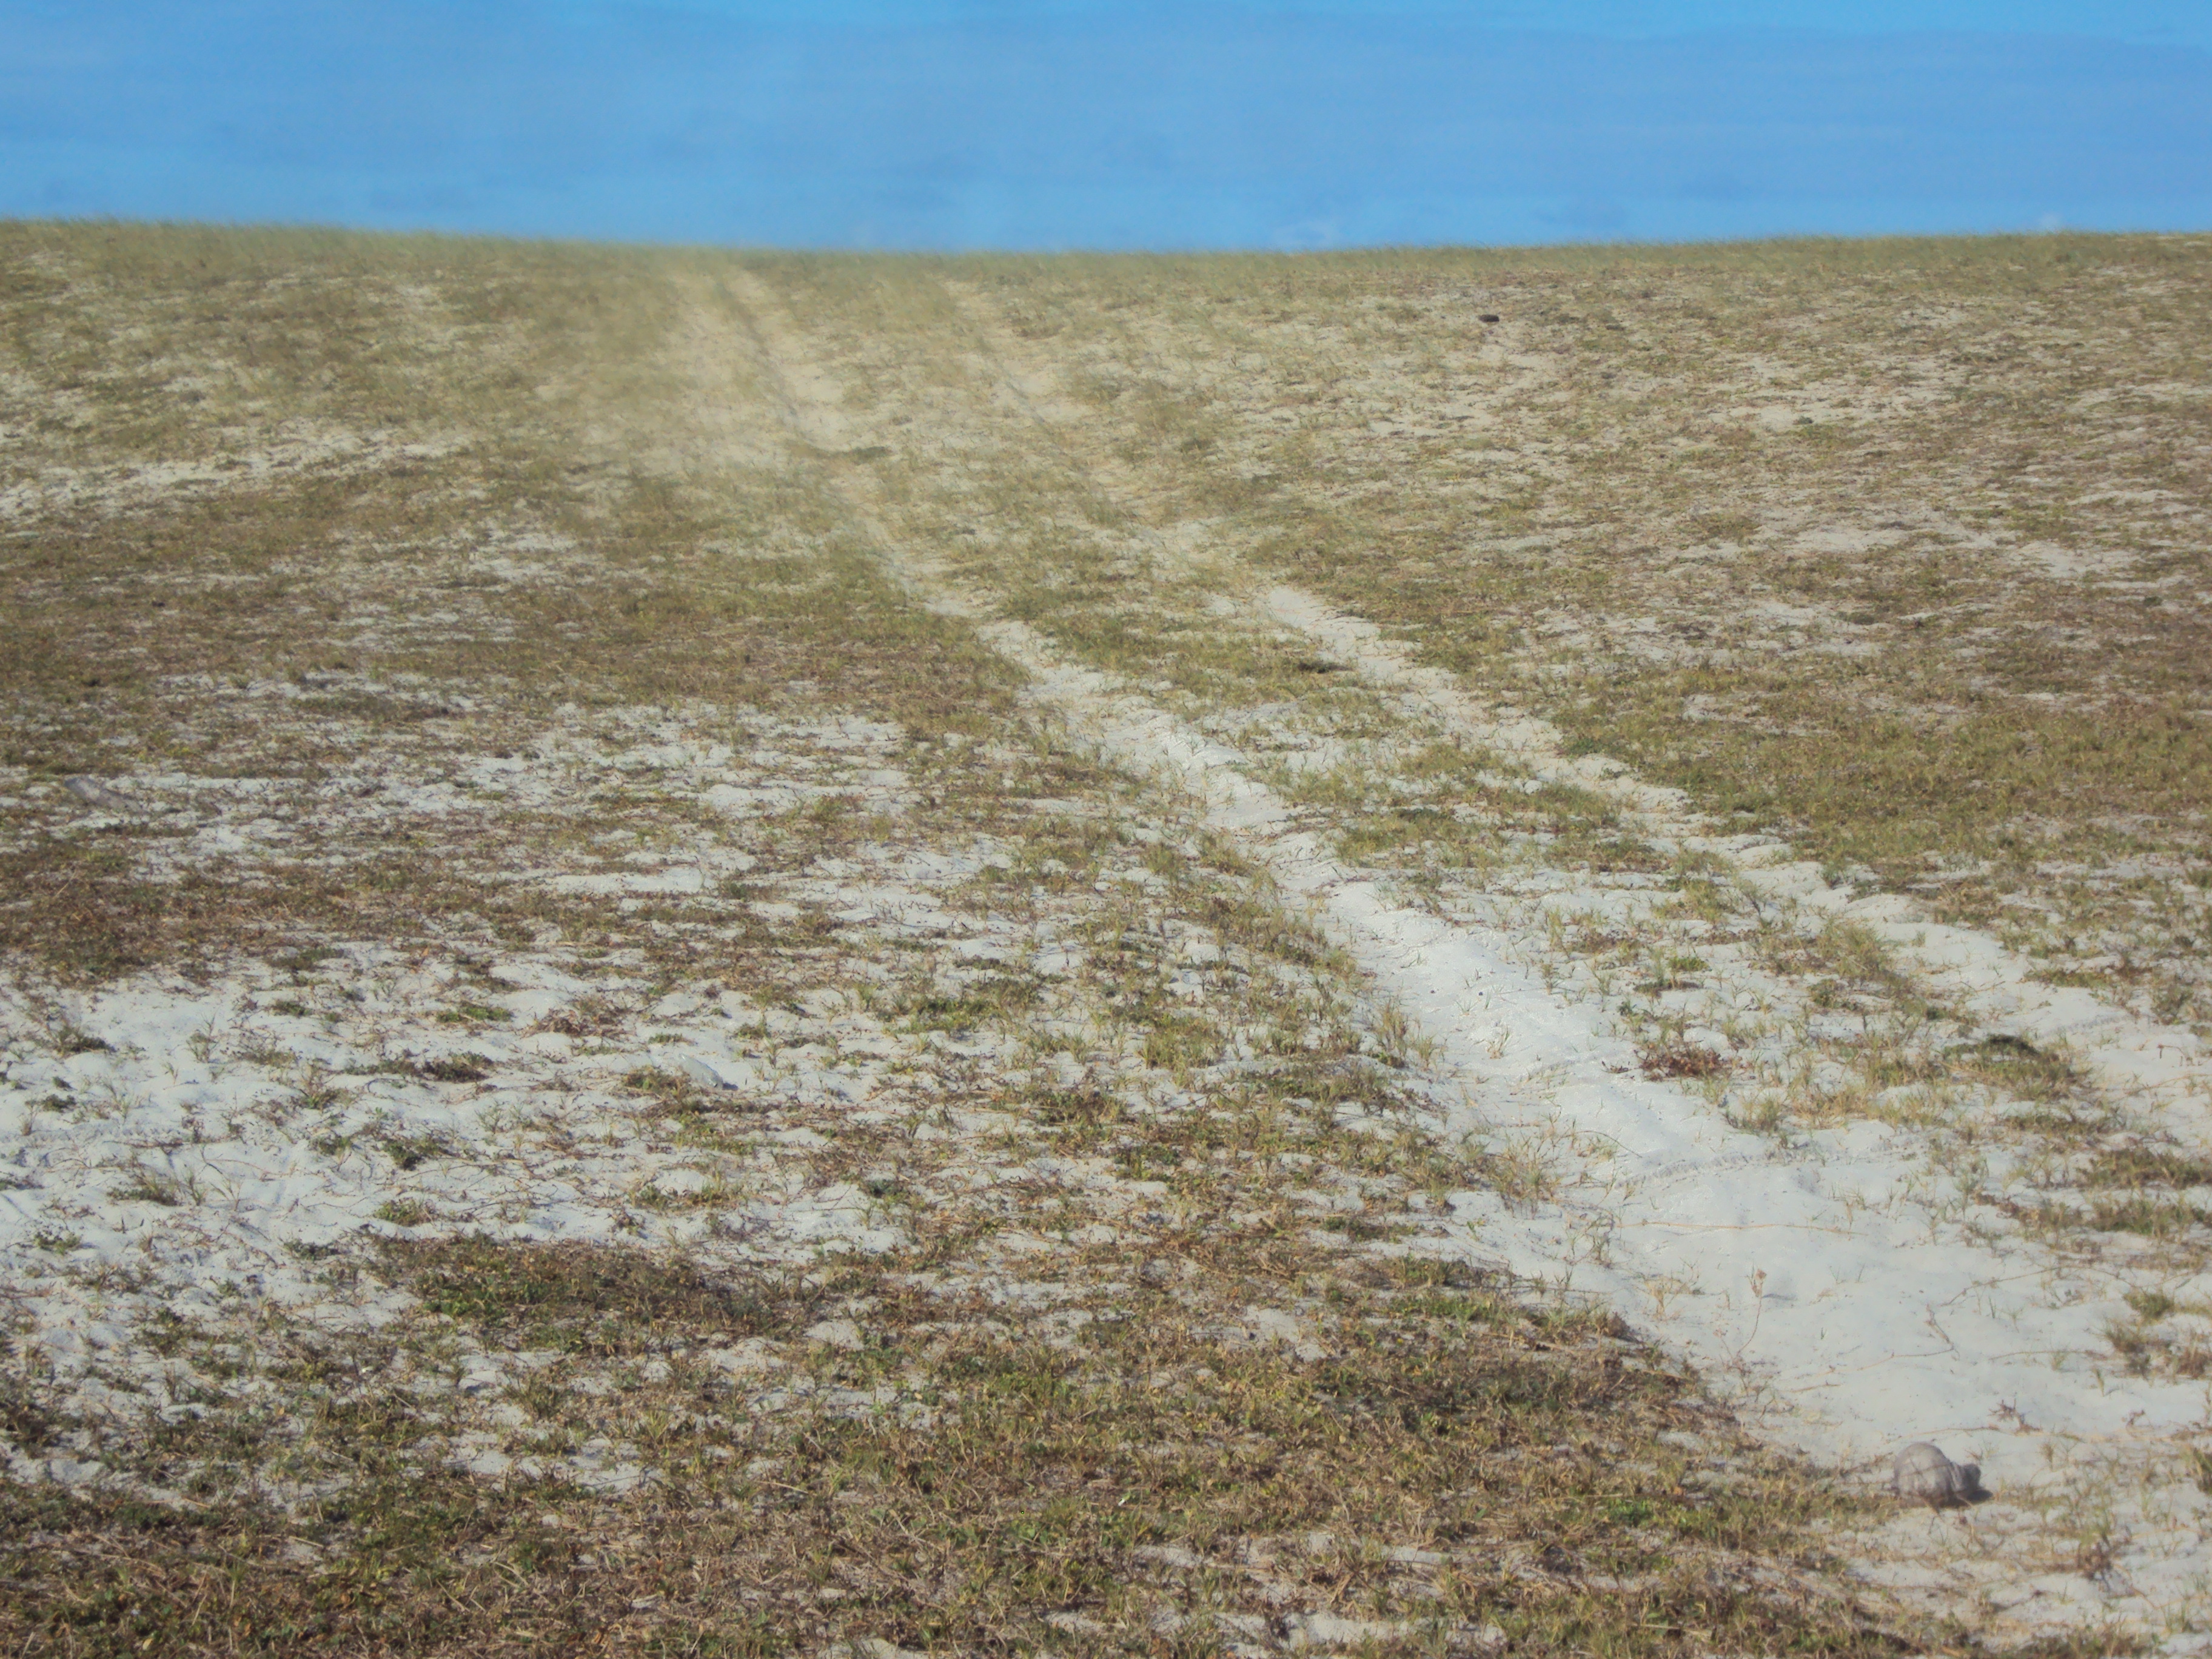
(474, 1013)
(410, 1151)
(2149, 1218)
(147, 1185)
(994, 998)
(2147, 1166)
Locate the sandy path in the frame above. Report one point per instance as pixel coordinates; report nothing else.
(2164, 1069)
(1836, 1284)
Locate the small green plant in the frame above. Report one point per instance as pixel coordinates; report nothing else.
(149, 1185)
(259, 1049)
(475, 1013)
(2150, 1306)
(408, 1152)
(2200, 1466)
(314, 1092)
(467, 1068)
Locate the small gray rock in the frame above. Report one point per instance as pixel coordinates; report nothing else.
(1923, 1475)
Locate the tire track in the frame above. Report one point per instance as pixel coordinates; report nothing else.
(2162, 1070)
(1835, 1286)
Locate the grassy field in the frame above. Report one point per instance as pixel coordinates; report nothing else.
(595, 1070)
(1897, 547)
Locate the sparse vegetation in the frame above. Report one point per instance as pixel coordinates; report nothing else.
(798, 1149)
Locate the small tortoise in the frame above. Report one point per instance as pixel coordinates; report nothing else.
(1925, 1475)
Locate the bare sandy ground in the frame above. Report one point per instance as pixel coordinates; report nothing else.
(938, 898)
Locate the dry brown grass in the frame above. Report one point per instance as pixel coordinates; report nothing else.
(1938, 614)
(425, 499)
(479, 483)
(1857, 628)
(1155, 1472)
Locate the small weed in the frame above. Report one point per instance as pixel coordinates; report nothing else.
(588, 1017)
(2147, 1218)
(409, 1151)
(467, 1068)
(474, 1013)
(2150, 1306)
(149, 1185)
(1676, 1058)
(1673, 972)
(1360, 1229)
(675, 1092)
(315, 1092)
(2147, 1166)
(2200, 1467)
(1400, 1044)
(261, 1050)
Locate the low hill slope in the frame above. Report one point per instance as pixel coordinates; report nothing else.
(1393, 953)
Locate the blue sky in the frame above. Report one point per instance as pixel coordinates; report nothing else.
(944, 123)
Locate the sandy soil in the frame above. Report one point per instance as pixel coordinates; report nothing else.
(847, 888)
(1833, 1280)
